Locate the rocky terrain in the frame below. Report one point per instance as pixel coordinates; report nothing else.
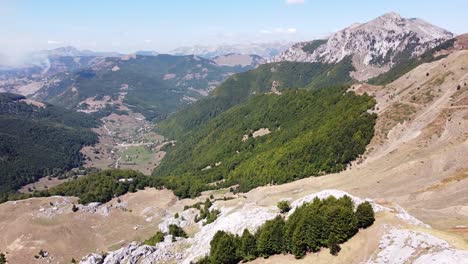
(375, 46)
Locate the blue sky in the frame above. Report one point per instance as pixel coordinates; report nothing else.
(162, 25)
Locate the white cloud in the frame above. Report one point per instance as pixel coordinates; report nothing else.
(293, 2)
(54, 42)
(279, 30)
(264, 31)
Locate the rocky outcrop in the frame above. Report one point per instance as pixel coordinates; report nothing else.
(374, 46)
(136, 253)
(399, 246)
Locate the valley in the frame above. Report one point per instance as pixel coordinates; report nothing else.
(125, 141)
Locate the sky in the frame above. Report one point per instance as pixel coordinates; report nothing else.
(162, 25)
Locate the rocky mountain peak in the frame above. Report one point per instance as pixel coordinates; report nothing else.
(391, 16)
(374, 46)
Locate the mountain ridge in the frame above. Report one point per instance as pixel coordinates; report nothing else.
(375, 46)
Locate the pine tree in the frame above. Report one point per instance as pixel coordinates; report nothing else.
(365, 215)
(248, 246)
(223, 248)
(270, 237)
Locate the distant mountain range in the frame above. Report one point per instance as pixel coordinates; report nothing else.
(265, 50)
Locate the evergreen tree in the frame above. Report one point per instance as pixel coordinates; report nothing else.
(2, 258)
(270, 237)
(365, 215)
(248, 246)
(223, 248)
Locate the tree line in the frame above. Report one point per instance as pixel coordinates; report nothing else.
(320, 224)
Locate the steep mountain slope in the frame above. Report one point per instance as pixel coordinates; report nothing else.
(272, 139)
(273, 78)
(38, 139)
(375, 46)
(217, 137)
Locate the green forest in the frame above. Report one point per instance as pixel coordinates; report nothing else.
(312, 133)
(320, 224)
(243, 86)
(102, 186)
(36, 142)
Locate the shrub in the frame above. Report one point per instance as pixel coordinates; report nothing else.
(2, 259)
(177, 231)
(284, 206)
(154, 240)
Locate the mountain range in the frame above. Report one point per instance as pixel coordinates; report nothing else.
(374, 47)
(265, 50)
(244, 151)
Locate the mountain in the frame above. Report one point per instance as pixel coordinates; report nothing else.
(273, 78)
(38, 139)
(155, 86)
(375, 46)
(70, 51)
(147, 53)
(265, 50)
(240, 60)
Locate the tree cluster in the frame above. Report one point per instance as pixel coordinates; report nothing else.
(320, 224)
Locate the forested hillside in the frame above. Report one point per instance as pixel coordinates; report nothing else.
(38, 140)
(267, 78)
(311, 133)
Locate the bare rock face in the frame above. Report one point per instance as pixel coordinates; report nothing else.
(374, 46)
(135, 253)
